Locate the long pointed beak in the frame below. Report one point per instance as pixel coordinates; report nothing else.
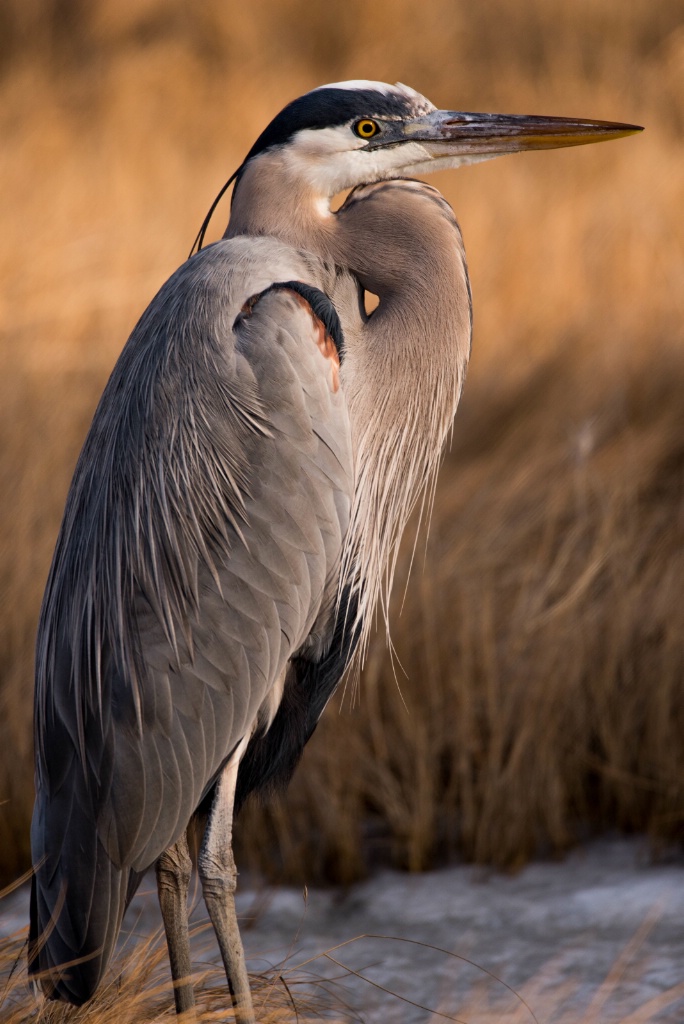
(477, 136)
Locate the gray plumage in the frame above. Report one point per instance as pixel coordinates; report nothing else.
(237, 508)
(204, 521)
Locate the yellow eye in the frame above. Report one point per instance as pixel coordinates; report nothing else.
(366, 129)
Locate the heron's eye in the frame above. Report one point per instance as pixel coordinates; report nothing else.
(366, 129)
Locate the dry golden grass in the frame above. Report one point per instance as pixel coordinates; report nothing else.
(540, 643)
(138, 990)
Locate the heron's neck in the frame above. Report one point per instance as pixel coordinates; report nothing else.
(269, 199)
(404, 365)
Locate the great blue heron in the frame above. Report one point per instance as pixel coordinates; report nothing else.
(237, 507)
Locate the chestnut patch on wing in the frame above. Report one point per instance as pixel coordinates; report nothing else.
(327, 326)
(324, 341)
(248, 305)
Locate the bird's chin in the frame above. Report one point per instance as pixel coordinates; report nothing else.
(445, 162)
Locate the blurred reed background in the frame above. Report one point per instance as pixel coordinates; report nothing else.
(540, 641)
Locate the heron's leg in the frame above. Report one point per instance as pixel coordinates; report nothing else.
(218, 875)
(173, 877)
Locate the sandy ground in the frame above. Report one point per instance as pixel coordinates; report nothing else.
(597, 937)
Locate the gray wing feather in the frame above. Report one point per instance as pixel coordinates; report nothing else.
(198, 552)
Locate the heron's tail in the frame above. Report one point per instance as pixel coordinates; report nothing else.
(78, 897)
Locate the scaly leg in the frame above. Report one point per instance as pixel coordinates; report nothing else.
(173, 877)
(218, 875)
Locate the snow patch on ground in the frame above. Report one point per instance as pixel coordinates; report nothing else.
(555, 932)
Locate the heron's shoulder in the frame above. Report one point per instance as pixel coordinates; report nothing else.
(216, 282)
(256, 262)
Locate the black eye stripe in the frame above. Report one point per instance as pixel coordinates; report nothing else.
(330, 107)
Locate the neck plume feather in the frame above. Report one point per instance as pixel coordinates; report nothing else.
(403, 376)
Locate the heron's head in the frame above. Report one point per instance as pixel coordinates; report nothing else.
(352, 133)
